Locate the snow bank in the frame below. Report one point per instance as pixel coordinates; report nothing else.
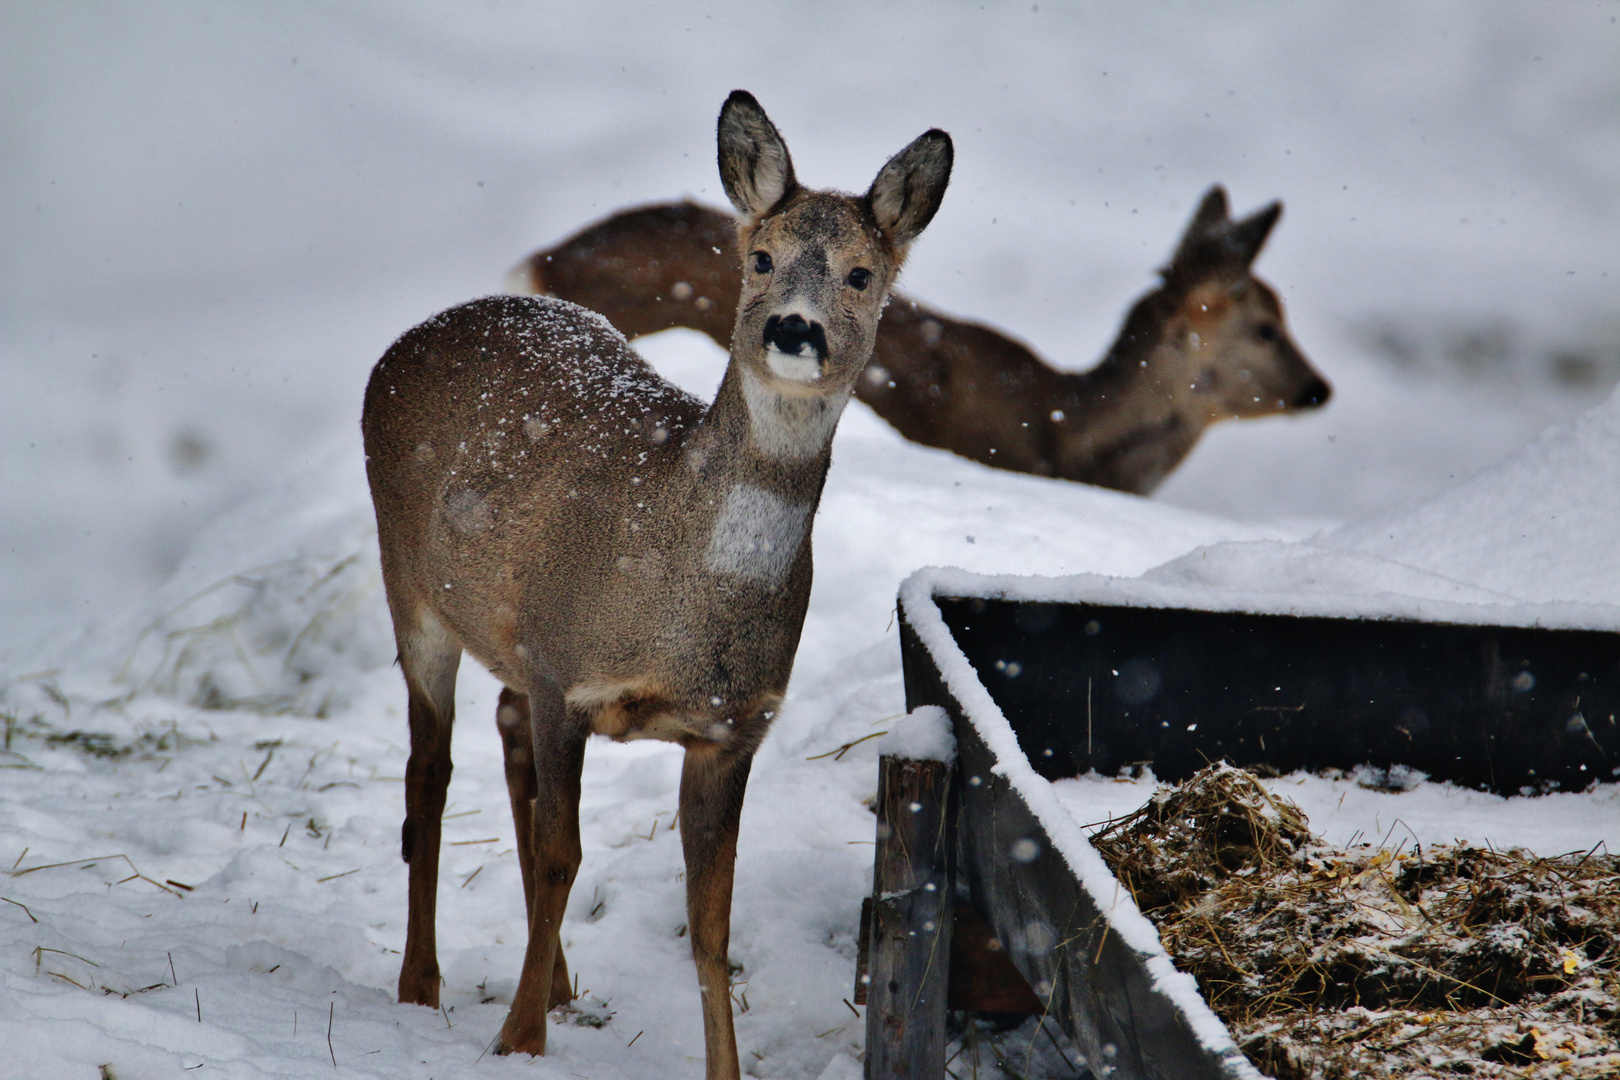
(276, 608)
(1542, 526)
(1534, 541)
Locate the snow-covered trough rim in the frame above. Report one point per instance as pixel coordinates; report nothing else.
(1183, 1037)
(1374, 605)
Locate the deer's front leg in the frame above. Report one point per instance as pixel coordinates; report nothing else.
(559, 756)
(713, 780)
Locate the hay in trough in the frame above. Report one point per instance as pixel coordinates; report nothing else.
(1328, 962)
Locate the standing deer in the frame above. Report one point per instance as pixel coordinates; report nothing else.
(1209, 344)
(624, 560)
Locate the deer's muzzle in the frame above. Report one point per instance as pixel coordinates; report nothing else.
(793, 336)
(1315, 394)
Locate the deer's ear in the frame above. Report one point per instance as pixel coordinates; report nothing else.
(1208, 222)
(908, 190)
(755, 168)
(1212, 211)
(1249, 235)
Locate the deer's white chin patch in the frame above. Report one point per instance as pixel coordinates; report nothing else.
(802, 368)
(786, 422)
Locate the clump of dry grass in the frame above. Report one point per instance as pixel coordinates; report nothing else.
(147, 744)
(1331, 962)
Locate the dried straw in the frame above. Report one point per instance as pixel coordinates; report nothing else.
(1332, 962)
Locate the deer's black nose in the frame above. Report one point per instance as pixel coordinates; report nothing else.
(1315, 393)
(796, 337)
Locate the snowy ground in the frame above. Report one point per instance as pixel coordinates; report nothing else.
(216, 219)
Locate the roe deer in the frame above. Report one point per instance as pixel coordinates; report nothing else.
(1209, 344)
(624, 560)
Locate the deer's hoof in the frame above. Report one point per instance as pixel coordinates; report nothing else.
(419, 990)
(521, 1039)
(561, 993)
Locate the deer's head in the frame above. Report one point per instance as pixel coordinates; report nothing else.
(1226, 349)
(817, 265)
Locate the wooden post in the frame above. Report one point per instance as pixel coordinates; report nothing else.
(912, 905)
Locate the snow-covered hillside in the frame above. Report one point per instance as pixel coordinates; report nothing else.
(216, 220)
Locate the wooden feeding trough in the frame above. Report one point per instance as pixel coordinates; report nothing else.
(1042, 680)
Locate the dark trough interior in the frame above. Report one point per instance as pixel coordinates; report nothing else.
(1502, 709)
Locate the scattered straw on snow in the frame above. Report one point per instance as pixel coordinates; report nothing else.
(1331, 962)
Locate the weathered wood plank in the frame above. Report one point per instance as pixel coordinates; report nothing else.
(981, 978)
(910, 946)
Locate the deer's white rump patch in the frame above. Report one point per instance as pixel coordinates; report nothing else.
(756, 535)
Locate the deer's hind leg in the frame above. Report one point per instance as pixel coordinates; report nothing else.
(517, 743)
(429, 657)
(558, 743)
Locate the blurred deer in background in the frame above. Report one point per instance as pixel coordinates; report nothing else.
(1209, 344)
(624, 559)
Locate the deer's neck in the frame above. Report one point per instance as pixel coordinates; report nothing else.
(786, 433)
(758, 461)
(1127, 376)
(1125, 427)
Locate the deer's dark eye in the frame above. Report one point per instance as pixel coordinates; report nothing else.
(1266, 332)
(860, 278)
(762, 263)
